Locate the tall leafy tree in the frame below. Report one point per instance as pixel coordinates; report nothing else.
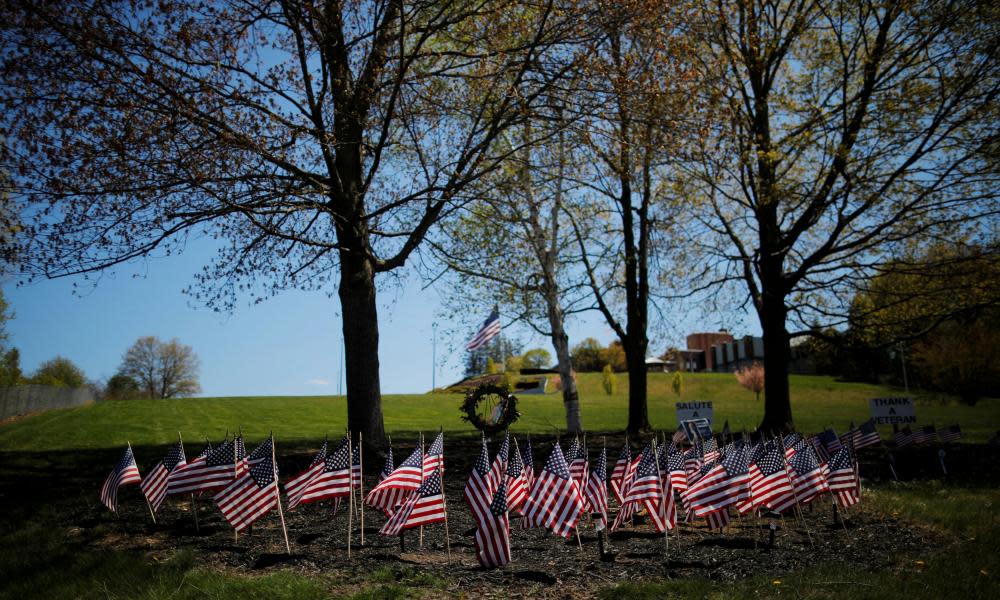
(851, 129)
(318, 141)
(635, 113)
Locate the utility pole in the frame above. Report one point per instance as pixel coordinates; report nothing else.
(434, 328)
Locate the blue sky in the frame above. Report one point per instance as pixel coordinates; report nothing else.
(289, 345)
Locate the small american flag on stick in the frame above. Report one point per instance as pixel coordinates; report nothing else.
(425, 506)
(493, 534)
(125, 473)
(255, 493)
(399, 484)
(554, 502)
(213, 471)
(154, 486)
(434, 457)
(296, 486)
(597, 491)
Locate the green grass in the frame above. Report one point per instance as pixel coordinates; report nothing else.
(817, 402)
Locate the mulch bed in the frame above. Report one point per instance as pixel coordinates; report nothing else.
(541, 561)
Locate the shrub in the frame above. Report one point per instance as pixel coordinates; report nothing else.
(59, 372)
(609, 380)
(752, 378)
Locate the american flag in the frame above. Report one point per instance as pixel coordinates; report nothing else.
(791, 443)
(434, 457)
(646, 489)
(831, 443)
(618, 474)
(355, 466)
(819, 449)
(486, 333)
(425, 506)
(517, 482)
(334, 481)
(154, 486)
(579, 465)
(726, 484)
(211, 472)
(717, 519)
(808, 479)
(925, 435)
(868, 435)
(498, 470)
(596, 491)
(676, 471)
(296, 486)
(843, 479)
(769, 479)
(529, 463)
(397, 486)
(627, 509)
(554, 502)
(478, 491)
(255, 493)
(493, 533)
(903, 437)
(950, 434)
(710, 451)
(125, 473)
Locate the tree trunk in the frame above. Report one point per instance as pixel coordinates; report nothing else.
(638, 414)
(360, 326)
(777, 400)
(571, 397)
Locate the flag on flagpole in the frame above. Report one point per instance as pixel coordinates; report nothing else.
(618, 474)
(493, 533)
(517, 482)
(554, 502)
(724, 485)
(211, 471)
(868, 435)
(334, 481)
(425, 506)
(154, 485)
(393, 490)
(296, 486)
(489, 330)
(478, 493)
(596, 491)
(843, 479)
(528, 460)
(498, 470)
(434, 457)
(255, 493)
(125, 473)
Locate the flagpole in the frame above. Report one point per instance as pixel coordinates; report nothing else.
(277, 496)
(236, 475)
(663, 505)
(422, 458)
(361, 482)
(150, 506)
(444, 504)
(788, 477)
(350, 507)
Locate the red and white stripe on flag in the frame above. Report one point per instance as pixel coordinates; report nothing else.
(125, 473)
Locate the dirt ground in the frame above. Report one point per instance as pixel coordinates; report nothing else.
(541, 561)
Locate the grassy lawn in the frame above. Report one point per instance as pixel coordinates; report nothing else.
(817, 402)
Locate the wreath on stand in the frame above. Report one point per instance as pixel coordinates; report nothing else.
(490, 408)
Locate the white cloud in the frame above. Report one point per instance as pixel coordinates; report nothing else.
(317, 382)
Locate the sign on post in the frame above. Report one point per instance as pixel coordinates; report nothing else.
(687, 411)
(893, 411)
